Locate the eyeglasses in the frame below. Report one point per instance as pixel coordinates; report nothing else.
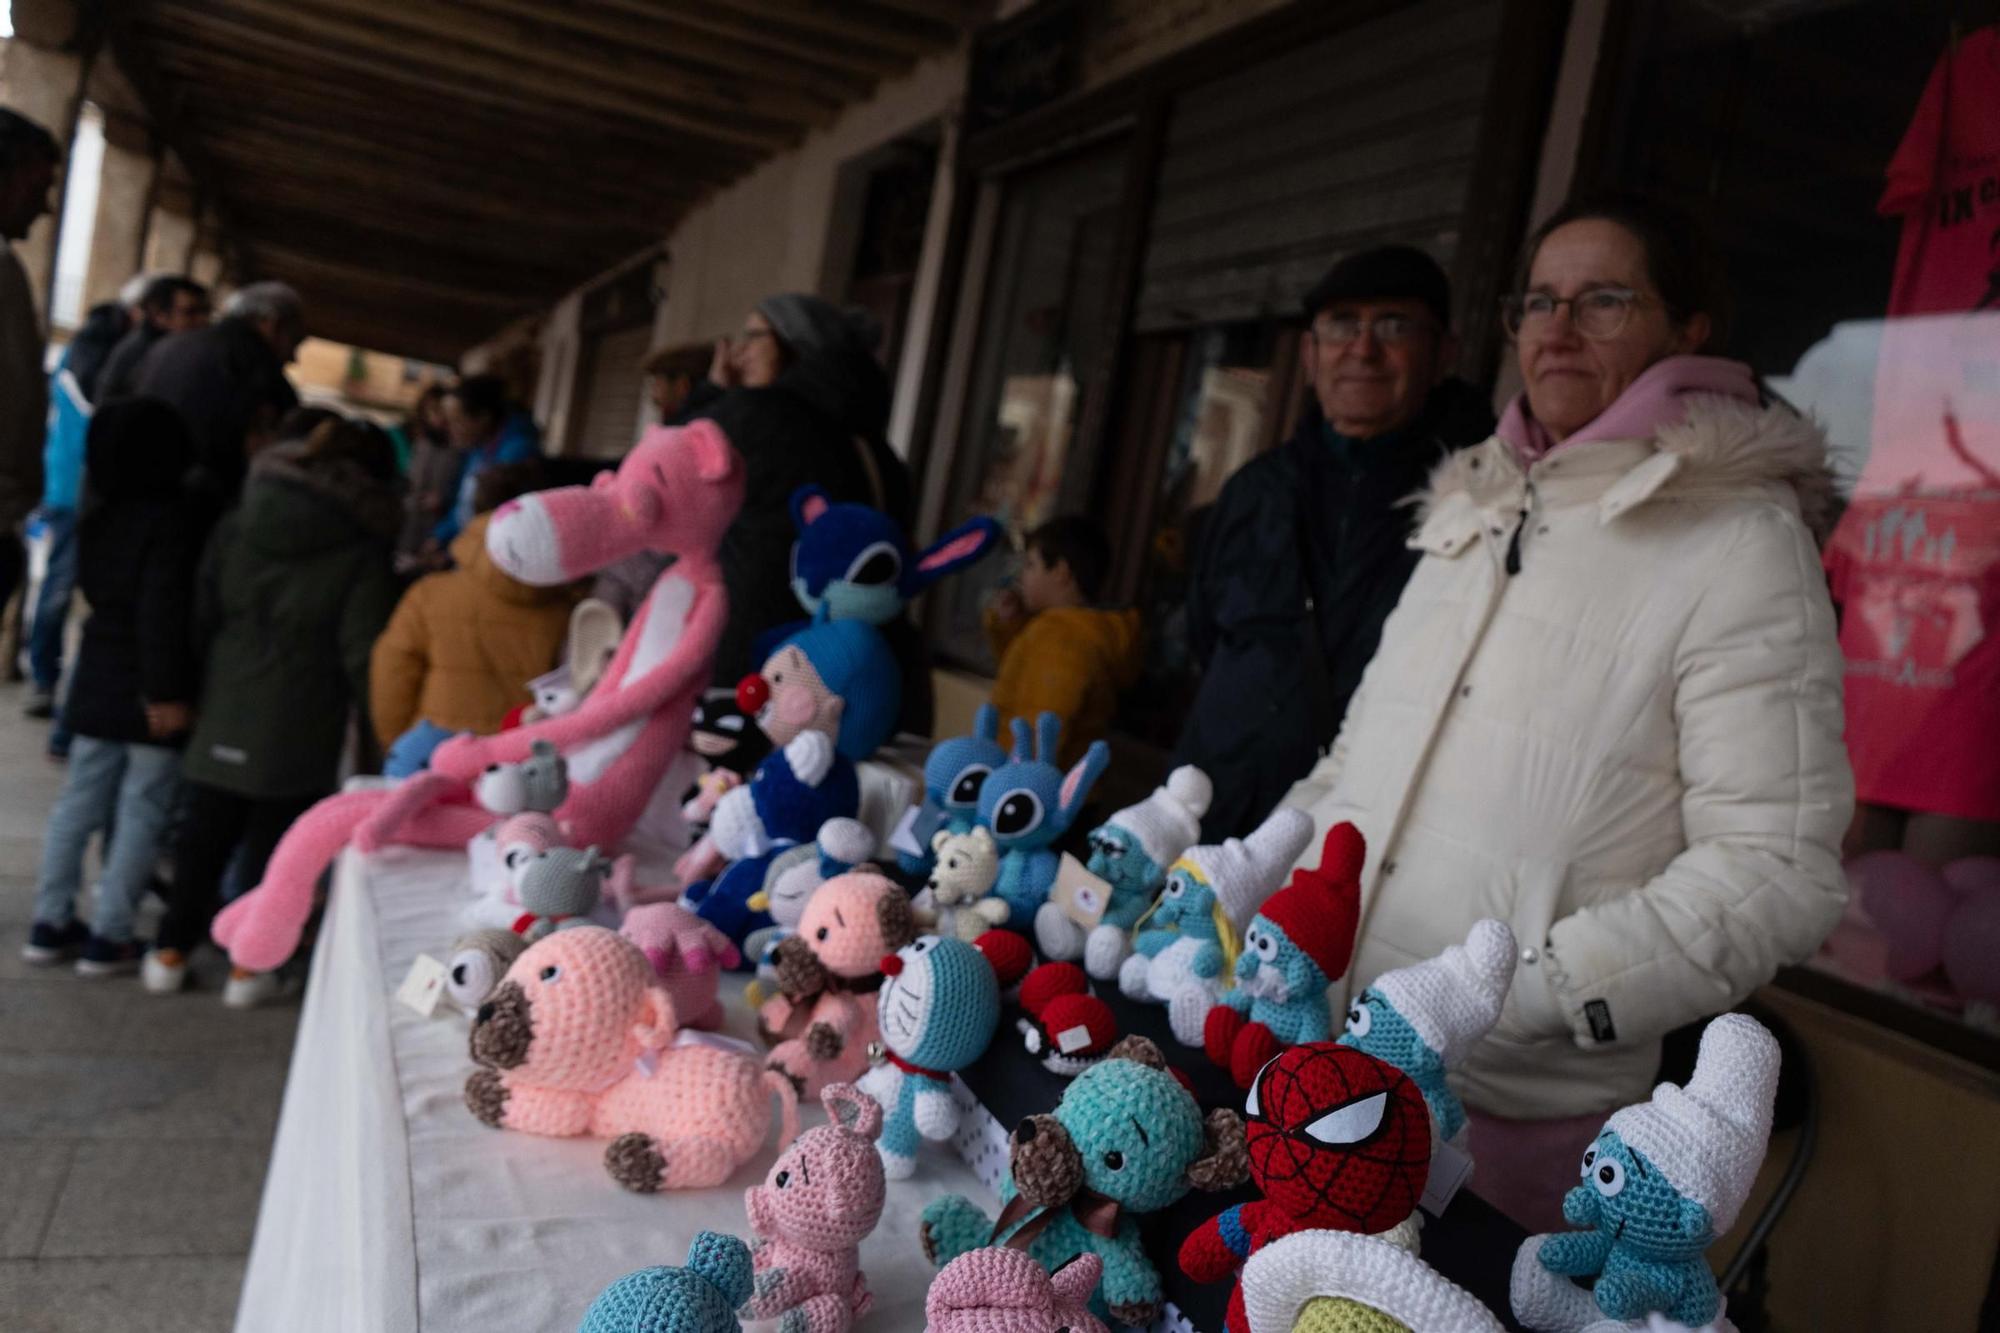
(1599, 313)
(1389, 330)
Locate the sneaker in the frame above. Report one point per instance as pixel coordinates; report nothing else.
(41, 704)
(165, 971)
(247, 990)
(51, 944)
(109, 958)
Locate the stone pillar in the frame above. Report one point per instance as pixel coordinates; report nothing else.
(124, 190)
(41, 83)
(206, 268)
(170, 230)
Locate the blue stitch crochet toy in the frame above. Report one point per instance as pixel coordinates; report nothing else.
(851, 562)
(1126, 1138)
(936, 1014)
(699, 1298)
(1028, 804)
(1663, 1180)
(1425, 1018)
(1131, 852)
(954, 773)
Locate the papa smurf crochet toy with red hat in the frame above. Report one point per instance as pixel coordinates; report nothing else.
(699, 1298)
(1028, 804)
(1299, 941)
(676, 492)
(820, 1200)
(824, 1016)
(954, 774)
(578, 1040)
(1004, 1291)
(1342, 1282)
(1337, 1141)
(1660, 1183)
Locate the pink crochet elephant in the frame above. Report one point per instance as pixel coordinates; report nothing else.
(811, 1214)
(822, 1020)
(1004, 1291)
(687, 955)
(676, 492)
(578, 1040)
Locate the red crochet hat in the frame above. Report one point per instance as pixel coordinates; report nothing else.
(1320, 909)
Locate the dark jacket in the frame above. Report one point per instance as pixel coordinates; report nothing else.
(294, 588)
(225, 380)
(120, 374)
(1300, 562)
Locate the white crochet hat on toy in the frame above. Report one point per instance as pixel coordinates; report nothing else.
(1710, 1136)
(1284, 1276)
(1245, 871)
(1168, 822)
(1451, 1000)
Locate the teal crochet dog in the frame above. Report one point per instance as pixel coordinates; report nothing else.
(700, 1298)
(1126, 1138)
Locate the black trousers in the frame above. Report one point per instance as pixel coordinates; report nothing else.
(213, 824)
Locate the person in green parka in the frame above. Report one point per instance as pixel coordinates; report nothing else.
(295, 586)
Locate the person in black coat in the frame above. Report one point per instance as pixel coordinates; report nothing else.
(169, 304)
(129, 697)
(1303, 556)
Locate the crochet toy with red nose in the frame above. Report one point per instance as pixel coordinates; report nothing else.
(823, 1019)
(1338, 1141)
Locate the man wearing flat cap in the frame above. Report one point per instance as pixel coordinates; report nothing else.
(1303, 556)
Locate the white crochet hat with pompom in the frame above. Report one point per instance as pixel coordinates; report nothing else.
(1168, 822)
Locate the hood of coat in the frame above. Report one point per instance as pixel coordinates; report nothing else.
(468, 550)
(1724, 449)
(297, 504)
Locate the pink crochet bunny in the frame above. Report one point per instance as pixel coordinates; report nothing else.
(810, 1215)
(676, 492)
(687, 955)
(1004, 1291)
(578, 1040)
(823, 1018)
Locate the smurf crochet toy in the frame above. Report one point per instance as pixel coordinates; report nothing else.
(1004, 1291)
(851, 562)
(1126, 1138)
(1337, 1141)
(936, 1012)
(1425, 1018)
(1298, 942)
(1662, 1181)
(1029, 803)
(821, 1199)
(954, 773)
(1341, 1282)
(699, 1298)
(1131, 852)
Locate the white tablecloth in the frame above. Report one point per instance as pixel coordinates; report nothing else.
(389, 1209)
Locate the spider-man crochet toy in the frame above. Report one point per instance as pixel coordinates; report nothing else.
(1338, 1141)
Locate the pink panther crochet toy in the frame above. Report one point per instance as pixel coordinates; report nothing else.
(676, 492)
(1004, 1291)
(578, 1040)
(810, 1215)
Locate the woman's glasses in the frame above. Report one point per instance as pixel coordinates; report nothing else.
(1599, 313)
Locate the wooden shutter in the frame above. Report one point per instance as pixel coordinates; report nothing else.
(612, 393)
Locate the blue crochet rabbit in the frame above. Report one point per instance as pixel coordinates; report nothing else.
(699, 1298)
(936, 1011)
(854, 562)
(1028, 804)
(953, 776)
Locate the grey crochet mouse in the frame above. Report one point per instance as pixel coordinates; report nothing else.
(539, 783)
(556, 886)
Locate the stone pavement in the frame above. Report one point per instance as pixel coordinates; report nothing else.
(134, 1129)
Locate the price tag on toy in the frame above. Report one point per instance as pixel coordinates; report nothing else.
(915, 830)
(1082, 896)
(424, 986)
(1449, 1168)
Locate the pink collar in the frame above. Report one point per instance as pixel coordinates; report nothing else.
(1649, 402)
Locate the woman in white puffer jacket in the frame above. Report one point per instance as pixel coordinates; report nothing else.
(1607, 709)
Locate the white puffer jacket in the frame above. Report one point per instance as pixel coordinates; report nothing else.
(1629, 749)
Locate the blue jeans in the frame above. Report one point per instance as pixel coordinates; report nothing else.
(45, 639)
(140, 782)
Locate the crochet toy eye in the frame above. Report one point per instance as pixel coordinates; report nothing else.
(1351, 1123)
(1266, 947)
(878, 563)
(1359, 1019)
(1589, 1160)
(1609, 1178)
(922, 945)
(551, 972)
(965, 787)
(731, 722)
(821, 934)
(1250, 1107)
(1175, 888)
(1115, 1160)
(1019, 812)
(782, 1179)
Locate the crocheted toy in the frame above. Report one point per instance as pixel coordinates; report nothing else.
(1004, 1291)
(475, 963)
(557, 886)
(1341, 1282)
(822, 1197)
(728, 740)
(939, 1005)
(1298, 942)
(824, 1016)
(686, 955)
(578, 1040)
(954, 773)
(539, 783)
(1126, 1138)
(1063, 1025)
(1663, 1180)
(1029, 803)
(700, 1298)
(676, 492)
(1184, 949)
(1337, 1141)
(790, 881)
(1424, 1019)
(410, 752)
(851, 562)
(955, 900)
(1131, 852)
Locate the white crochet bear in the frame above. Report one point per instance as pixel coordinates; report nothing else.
(955, 901)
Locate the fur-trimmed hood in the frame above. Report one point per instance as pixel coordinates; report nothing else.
(1725, 449)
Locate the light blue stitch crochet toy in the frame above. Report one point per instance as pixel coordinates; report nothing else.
(936, 1012)
(1028, 804)
(1660, 1182)
(954, 773)
(699, 1298)
(1126, 1138)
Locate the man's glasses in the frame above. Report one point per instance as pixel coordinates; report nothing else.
(1599, 313)
(1389, 330)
